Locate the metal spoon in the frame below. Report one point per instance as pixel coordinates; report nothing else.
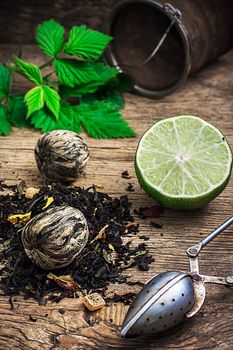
(171, 296)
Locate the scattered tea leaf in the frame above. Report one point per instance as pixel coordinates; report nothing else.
(108, 257)
(101, 234)
(125, 175)
(15, 218)
(132, 260)
(156, 225)
(130, 187)
(49, 201)
(110, 246)
(20, 188)
(96, 266)
(154, 211)
(66, 281)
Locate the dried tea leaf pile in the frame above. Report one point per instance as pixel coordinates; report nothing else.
(103, 260)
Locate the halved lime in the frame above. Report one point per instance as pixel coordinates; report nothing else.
(183, 162)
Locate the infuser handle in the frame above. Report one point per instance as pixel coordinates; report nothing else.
(216, 232)
(195, 250)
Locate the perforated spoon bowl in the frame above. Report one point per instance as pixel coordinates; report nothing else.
(169, 297)
(160, 305)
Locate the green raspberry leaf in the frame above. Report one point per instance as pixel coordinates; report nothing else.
(72, 72)
(122, 83)
(17, 111)
(45, 121)
(5, 81)
(34, 99)
(115, 98)
(50, 37)
(5, 126)
(86, 43)
(102, 120)
(88, 99)
(68, 113)
(29, 70)
(125, 83)
(104, 73)
(108, 96)
(66, 91)
(112, 91)
(52, 100)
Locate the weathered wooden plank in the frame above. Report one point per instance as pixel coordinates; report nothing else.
(209, 94)
(18, 19)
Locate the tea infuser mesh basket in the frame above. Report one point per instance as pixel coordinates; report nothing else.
(170, 297)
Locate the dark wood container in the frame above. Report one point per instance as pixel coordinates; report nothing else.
(203, 32)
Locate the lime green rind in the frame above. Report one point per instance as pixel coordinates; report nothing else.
(179, 203)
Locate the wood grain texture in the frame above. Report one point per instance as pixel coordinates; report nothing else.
(208, 94)
(19, 19)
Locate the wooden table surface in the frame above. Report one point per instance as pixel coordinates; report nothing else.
(208, 94)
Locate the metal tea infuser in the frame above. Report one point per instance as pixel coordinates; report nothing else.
(159, 43)
(171, 296)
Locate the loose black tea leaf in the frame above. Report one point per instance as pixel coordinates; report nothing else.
(125, 175)
(61, 311)
(145, 238)
(20, 188)
(32, 318)
(104, 259)
(154, 211)
(156, 225)
(126, 298)
(130, 188)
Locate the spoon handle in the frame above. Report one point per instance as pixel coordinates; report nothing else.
(195, 250)
(216, 232)
(226, 281)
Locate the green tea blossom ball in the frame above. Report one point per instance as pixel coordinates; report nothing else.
(52, 239)
(61, 155)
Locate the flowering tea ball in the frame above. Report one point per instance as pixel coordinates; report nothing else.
(55, 237)
(61, 155)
